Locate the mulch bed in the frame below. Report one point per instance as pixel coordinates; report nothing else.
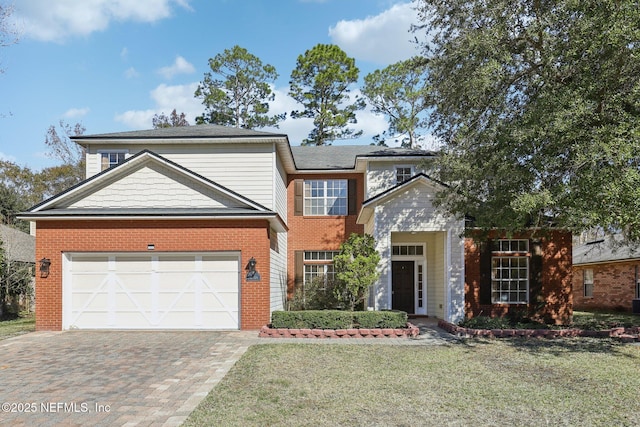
(622, 334)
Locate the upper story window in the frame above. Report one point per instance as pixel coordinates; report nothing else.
(403, 173)
(325, 197)
(109, 159)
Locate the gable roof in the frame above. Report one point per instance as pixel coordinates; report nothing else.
(18, 246)
(65, 205)
(369, 204)
(339, 157)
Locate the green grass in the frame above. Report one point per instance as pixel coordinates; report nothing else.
(480, 382)
(19, 325)
(604, 320)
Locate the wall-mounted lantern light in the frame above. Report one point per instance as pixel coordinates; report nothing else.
(252, 274)
(45, 263)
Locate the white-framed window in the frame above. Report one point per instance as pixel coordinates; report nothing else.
(513, 246)
(407, 250)
(587, 282)
(109, 159)
(325, 197)
(510, 272)
(403, 173)
(318, 265)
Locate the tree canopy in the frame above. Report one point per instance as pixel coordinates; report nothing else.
(320, 82)
(8, 31)
(538, 106)
(400, 92)
(356, 268)
(172, 120)
(240, 95)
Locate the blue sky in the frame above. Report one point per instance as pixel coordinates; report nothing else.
(112, 64)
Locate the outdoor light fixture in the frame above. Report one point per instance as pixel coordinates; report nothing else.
(252, 274)
(44, 267)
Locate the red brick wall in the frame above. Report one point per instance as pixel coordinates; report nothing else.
(322, 233)
(613, 286)
(250, 237)
(555, 297)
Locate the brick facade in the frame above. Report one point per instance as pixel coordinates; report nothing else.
(614, 286)
(550, 275)
(250, 237)
(319, 233)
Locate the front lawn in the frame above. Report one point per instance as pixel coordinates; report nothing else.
(17, 326)
(596, 320)
(479, 382)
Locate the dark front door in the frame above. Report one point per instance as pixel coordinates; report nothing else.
(402, 284)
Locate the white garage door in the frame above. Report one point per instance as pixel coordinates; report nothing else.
(151, 291)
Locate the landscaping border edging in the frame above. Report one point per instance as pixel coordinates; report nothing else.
(623, 334)
(411, 331)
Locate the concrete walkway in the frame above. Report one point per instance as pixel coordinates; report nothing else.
(127, 378)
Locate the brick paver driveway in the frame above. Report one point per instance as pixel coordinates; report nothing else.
(112, 378)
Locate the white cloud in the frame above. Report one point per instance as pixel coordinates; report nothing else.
(124, 53)
(180, 66)
(382, 39)
(165, 98)
(131, 73)
(73, 113)
(58, 20)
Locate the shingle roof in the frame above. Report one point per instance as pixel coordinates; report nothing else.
(344, 156)
(196, 131)
(607, 249)
(18, 246)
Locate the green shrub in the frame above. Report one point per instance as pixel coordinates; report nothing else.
(336, 319)
(380, 319)
(514, 322)
(316, 295)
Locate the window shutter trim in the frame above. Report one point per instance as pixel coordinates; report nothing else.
(352, 196)
(298, 199)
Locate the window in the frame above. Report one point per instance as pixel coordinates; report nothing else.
(111, 159)
(510, 273)
(403, 173)
(587, 276)
(516, 246)
(325, 197)
(407, 250)
(319, 265)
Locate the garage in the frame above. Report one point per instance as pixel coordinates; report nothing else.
(151, 291)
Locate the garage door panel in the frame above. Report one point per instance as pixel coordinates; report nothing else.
(152, 291)
(90, 264)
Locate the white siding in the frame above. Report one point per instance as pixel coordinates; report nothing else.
(382, 175)
(278, 279)
(280, 178)
(246, 169)
(153, 186)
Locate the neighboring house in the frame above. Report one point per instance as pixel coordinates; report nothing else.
(606, 274)
(162, 233)
(18, 247)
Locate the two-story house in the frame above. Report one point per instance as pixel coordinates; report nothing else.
(209, 227)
